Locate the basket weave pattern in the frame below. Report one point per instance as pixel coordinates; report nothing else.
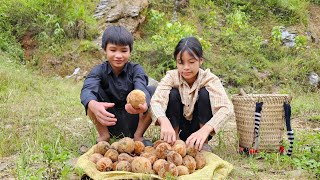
(271, 123)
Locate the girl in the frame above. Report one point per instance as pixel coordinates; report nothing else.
(190, 103)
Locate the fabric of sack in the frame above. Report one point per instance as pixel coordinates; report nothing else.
(216, 168)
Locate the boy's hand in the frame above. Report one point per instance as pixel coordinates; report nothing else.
(142, 108)
(99, 109)
(197, 138)
(167, 132)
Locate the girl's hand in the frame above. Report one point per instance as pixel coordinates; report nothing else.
(167, 132)
(142, 108)
(99, 109)
(197, 138)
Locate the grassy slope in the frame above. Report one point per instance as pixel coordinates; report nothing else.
(43, 124)
(37, 113)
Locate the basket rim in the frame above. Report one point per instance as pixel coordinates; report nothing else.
(255, 97)
(261, 95)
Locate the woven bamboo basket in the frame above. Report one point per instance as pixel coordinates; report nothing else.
(272, 119)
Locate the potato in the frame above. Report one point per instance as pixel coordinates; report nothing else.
(136, 97)
(138, 147)
(200, 160)
(192, 151)
(125, 157)
(151, 156)
(174, 157)
(182, 170)
(168, 168)
(162, 150)
(112, 154)
(114, 145)
(180, 148)
(126, 145)
(190, 163)
(155, 144)
(95, 157)
(114, 165)
(141, 165)
(179, 141)
(157, 165)
(104, 164)
(123, 166)
(149, 149)
(101, 147)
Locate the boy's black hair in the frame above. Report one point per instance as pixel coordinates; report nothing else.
(117, 35)
(190, 44)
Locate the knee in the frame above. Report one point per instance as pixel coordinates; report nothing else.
(174, 95)
(203, 95)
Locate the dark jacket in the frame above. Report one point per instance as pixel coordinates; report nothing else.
(102, 80)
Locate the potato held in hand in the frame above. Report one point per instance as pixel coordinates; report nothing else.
(135, 98)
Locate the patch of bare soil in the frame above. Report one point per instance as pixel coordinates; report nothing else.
(6, 166)
(29, 44)
(314, 23)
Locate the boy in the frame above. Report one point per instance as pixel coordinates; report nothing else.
(106, 87)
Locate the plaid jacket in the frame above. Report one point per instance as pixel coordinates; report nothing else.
(221, 106)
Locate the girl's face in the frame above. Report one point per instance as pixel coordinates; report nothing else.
(188, 67)
(117, 56)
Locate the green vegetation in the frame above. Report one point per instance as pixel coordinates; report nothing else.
(43, 122)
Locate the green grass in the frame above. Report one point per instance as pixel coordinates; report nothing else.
(43, 124)
(41, 118)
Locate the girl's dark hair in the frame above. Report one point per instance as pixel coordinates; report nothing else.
(117, 35)
(191, 45)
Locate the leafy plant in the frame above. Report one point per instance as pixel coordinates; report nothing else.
(276, 36)
(301, 41)
(55, 161)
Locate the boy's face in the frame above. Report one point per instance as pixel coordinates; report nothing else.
(188, 67)
(117, 56)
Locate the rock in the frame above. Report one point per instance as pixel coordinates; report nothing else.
(314, 79)
(77, 75)
(288, 38)
(121, 12)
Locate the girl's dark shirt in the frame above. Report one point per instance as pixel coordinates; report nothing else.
(101, 80)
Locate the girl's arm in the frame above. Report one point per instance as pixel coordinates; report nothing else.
(221, 109)
(221, 106)
(159, 103)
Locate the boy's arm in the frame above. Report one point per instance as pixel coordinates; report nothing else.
(91, 86)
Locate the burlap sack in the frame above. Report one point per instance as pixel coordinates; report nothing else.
(216, 168)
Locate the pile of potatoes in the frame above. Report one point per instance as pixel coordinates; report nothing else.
(161, 158)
